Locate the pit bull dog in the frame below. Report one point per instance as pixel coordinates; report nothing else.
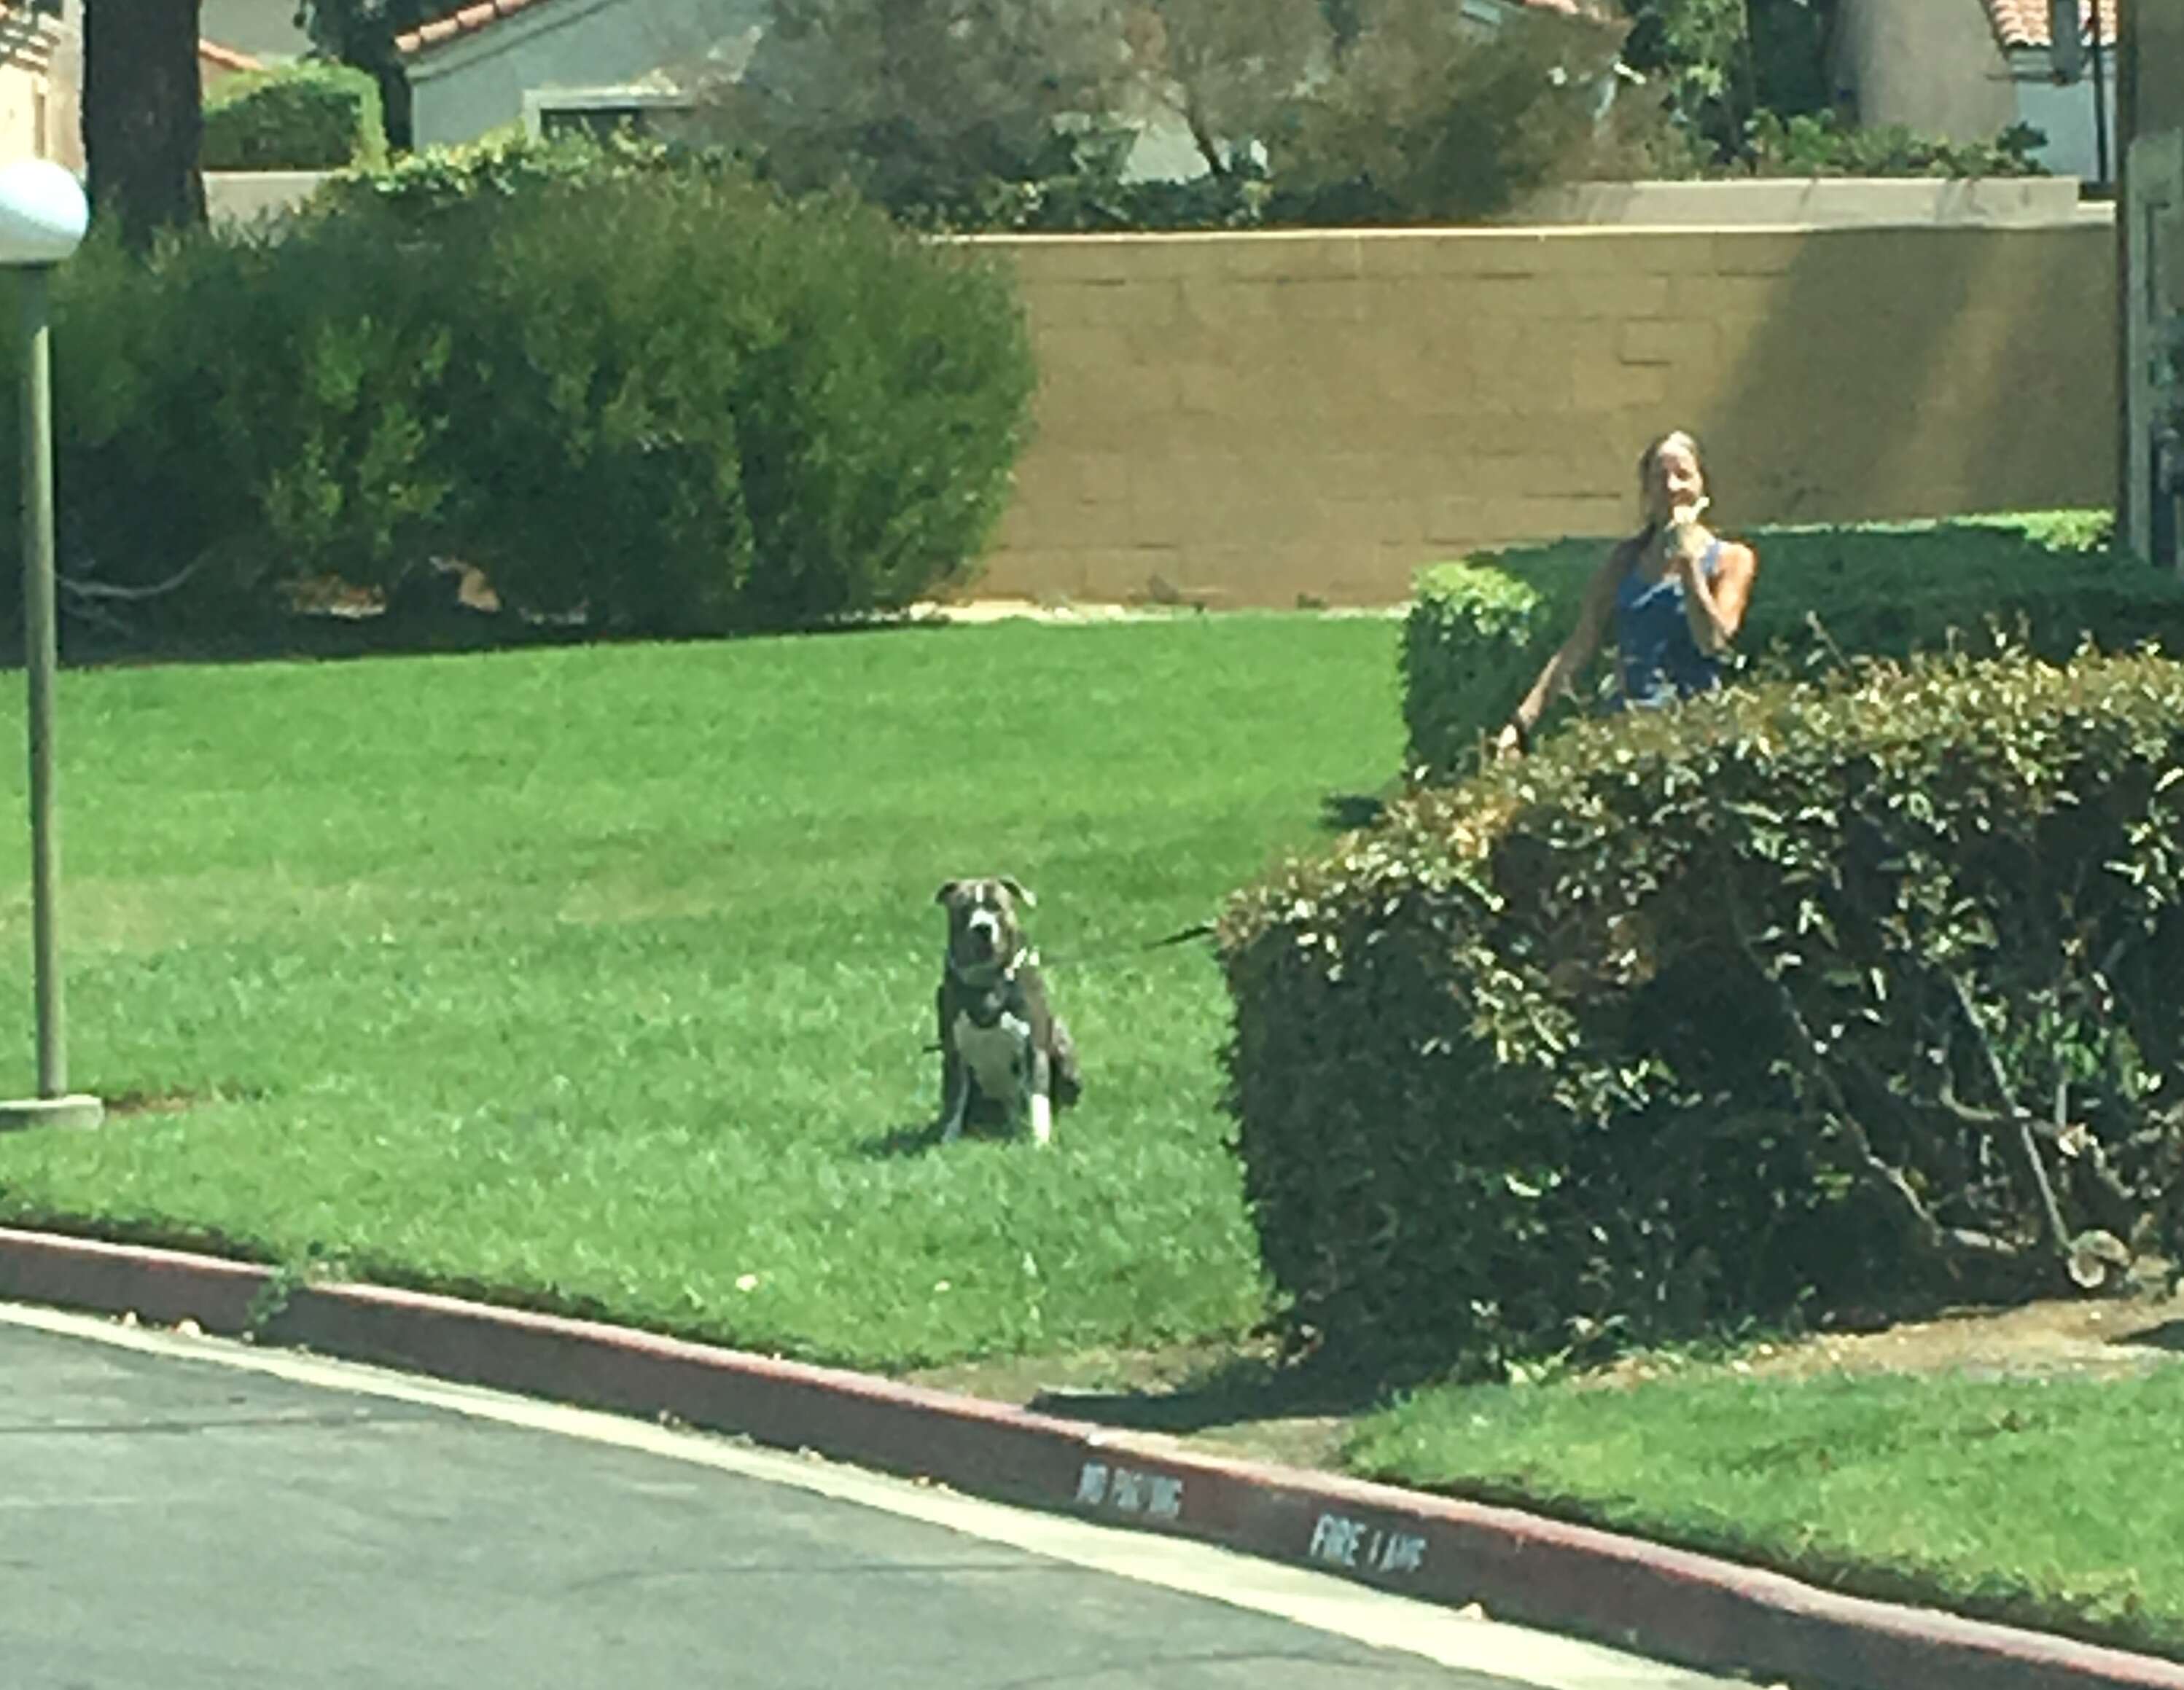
(1001, 1045)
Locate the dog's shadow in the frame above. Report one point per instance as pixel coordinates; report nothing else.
(913, 1140)
(922, 1137)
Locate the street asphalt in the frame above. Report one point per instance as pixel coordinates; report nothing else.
(177, 1521)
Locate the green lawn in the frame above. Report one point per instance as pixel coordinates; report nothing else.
(600, 978)
(2044, 1502)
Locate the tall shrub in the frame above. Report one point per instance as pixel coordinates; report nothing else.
(659, 400)
(689, 406)
(231, 415)
(1805, 997)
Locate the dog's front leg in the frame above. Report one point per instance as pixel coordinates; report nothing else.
(1042, 1098)
(955, 1096)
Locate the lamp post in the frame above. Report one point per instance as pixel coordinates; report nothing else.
(42, 217)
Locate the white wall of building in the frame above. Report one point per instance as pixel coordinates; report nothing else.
(474, 83)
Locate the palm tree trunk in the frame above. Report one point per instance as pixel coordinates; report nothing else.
(143, 115)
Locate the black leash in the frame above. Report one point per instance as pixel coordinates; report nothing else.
(1197, 929)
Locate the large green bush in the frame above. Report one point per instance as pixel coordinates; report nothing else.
(1479, 631)
(688, 407)
(230, 415)
(651, 402)
(301, 117)
(1801, 997)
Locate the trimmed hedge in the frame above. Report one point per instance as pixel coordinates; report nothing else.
(1803, 997)
(421, 187)
(662, 403)
(1479, 630)
(301, 117)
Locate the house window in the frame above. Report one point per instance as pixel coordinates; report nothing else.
(656, 113)
(597, 121)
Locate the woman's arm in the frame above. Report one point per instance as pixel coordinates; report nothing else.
(1716, 609)
(1569, 661)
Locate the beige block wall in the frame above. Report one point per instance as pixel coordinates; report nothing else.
(1257, 417)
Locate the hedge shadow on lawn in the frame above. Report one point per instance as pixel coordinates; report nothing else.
(2169, 1336)
(1240, 1390)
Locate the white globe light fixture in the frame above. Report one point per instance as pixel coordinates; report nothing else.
(43, 213)
(42, 218)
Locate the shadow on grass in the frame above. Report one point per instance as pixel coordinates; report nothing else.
(1231, 1392)
(912, 1140)
(431, 631)
(2169, 1336)
(1346, 812)
(920, 1137)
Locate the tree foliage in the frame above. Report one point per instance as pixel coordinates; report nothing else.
(1227, 68)
(1717, 64)
(912, 101)
(1427, 118)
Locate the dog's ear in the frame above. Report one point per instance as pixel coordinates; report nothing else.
(1019, 891)
(948, 890)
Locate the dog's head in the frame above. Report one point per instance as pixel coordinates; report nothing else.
(983, 931)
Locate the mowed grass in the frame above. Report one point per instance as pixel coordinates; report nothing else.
(2048, 1502)
(601, 979)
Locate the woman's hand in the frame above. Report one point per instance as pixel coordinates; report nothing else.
(1684, 537)
(1512, 741)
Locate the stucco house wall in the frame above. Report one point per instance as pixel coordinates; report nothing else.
(466, 82)
(1932, 65)
(1966, 70)
(38, 80)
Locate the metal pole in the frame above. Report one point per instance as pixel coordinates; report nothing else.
(2126, 124)
(41, 658)
(2100, 105)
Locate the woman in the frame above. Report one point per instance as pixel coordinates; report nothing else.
(1674, 595)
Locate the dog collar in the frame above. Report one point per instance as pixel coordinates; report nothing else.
(1007, 972)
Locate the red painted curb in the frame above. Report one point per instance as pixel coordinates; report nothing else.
(1707, 1614)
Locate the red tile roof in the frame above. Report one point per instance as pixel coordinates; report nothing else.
(468, 21)
(486, 13)
(227, 58)
(2024, 23)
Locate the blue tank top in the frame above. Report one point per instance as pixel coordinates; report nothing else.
(1657, 660)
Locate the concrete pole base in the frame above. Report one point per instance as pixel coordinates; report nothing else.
(78, 1111)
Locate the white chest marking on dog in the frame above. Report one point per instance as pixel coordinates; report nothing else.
(998, 1056)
